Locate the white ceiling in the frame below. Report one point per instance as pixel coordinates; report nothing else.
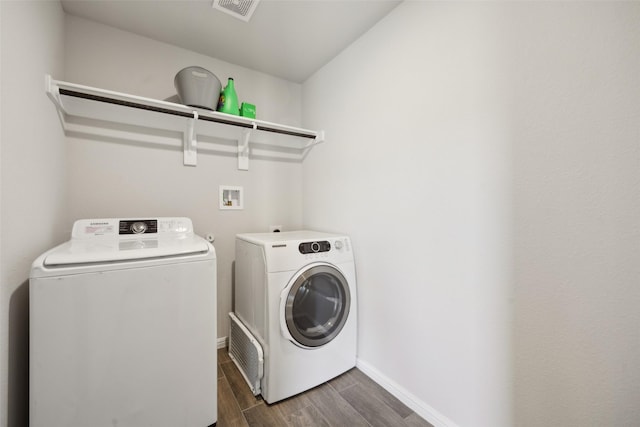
(290, 39)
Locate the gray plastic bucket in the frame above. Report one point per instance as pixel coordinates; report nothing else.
(198, 87)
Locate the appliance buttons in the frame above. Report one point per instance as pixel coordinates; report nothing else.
(314, 247)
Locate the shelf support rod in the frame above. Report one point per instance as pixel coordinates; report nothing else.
(190, 142)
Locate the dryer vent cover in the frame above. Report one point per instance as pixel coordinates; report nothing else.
(241, 9)
(246, 353)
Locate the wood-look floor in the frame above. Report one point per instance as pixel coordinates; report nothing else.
(351, 400)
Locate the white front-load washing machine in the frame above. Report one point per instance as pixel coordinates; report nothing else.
(295, 320)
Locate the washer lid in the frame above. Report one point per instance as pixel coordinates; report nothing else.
(126, 239)
(108, 249)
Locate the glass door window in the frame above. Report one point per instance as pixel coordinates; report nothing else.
(317, 306)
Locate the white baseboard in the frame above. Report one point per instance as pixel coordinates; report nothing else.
(415, 404)
(222, 342)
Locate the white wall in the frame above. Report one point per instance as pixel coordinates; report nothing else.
(416, 169)
(576, 181)
(33, 185)
(129, 180)
(484, 157)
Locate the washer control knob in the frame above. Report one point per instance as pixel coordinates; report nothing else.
(338, 244)
(139, 227)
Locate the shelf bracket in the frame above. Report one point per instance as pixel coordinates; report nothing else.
(190, 142)
(243, 149)
(53, 92)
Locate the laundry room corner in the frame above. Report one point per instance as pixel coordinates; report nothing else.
(457, 238)
(154, 178)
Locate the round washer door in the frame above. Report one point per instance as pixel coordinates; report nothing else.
(317, 305)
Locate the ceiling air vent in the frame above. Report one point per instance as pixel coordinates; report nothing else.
(241, 9)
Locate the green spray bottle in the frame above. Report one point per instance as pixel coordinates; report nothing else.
(228, 102)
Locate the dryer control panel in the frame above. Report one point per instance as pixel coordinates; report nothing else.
(314, 247)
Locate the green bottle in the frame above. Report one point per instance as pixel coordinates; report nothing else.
(228, 102)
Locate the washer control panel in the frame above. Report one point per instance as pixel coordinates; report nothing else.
(138, 226)
(127, 228)
(314, 247)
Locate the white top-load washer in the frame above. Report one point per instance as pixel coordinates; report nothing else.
(123, 327)
(294, 324)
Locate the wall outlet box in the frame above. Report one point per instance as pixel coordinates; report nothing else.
(231, 197)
